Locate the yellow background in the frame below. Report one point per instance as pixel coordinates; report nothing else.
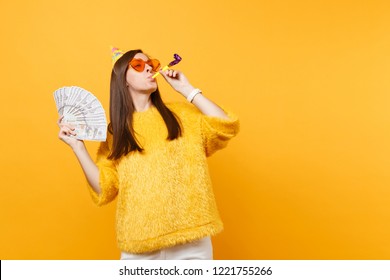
(306, 178)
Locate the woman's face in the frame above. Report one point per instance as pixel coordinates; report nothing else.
(141, 82)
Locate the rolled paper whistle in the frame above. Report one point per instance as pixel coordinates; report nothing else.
(173, 62)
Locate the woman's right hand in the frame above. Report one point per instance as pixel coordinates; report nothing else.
(66, 131)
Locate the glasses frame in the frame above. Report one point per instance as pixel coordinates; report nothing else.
(154, 63)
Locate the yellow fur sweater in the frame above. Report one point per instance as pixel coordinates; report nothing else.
(165, 195)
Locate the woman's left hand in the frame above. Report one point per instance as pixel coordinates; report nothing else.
(178, 81)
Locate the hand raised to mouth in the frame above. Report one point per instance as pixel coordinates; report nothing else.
(176, 60)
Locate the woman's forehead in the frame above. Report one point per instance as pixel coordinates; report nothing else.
(142, 56)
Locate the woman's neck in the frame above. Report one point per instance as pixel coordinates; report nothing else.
(142, 102)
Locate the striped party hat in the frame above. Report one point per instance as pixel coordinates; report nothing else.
(116, 54)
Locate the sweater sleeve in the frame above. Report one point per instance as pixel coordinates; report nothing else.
(108, 177)
(217, 132)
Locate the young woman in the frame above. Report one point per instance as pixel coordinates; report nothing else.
(154, 161)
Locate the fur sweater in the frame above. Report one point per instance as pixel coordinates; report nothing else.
(165, 194)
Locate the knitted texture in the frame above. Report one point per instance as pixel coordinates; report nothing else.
(165, 195)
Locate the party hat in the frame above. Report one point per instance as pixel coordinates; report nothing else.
(116, 54)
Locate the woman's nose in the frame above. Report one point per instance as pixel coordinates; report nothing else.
(148, 68)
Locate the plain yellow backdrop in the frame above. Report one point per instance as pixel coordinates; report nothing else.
(306, 178)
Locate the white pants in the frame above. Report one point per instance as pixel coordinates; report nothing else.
(198, 250)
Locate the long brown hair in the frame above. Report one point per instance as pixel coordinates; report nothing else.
(122, 109)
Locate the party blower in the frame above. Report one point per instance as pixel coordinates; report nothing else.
(173, 62)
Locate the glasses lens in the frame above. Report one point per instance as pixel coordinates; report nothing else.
(155, 64)
(138, 64)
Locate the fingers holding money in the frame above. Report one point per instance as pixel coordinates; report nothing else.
(66, 130)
